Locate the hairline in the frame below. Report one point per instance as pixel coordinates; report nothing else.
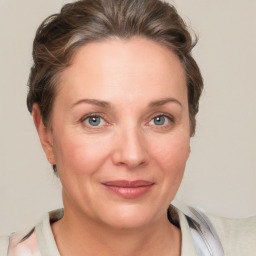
(58, 75)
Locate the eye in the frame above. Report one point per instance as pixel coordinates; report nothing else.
(160, 120)
(95, 121)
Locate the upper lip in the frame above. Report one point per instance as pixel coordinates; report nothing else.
(128, 183)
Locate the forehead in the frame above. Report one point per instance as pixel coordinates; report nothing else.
(117, 66)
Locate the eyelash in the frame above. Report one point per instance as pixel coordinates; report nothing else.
(93, 115)
(169, 117)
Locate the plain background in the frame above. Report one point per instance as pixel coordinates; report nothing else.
(221, 173)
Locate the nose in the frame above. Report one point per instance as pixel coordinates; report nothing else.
(130, 150)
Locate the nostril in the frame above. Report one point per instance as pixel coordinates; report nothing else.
(134, 163)
(131, 162)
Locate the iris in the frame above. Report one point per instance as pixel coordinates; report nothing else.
(159, 120)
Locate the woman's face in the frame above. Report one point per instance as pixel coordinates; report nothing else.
(120, 131)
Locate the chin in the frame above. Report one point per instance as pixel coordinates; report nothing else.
(131, 216)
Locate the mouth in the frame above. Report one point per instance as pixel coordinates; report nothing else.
(129, 189)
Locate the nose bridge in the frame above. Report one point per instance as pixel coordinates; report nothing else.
(130, 150)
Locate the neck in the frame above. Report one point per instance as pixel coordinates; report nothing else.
(77, 234)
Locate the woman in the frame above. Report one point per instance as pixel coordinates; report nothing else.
(114, 93)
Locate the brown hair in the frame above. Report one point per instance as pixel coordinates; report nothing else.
(60, 35)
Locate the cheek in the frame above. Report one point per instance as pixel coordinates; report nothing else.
(172, 160)
(79, 154)
(172, 154)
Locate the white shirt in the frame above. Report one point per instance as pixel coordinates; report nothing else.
(238, 237)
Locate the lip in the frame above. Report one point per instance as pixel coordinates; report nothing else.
(129, 189)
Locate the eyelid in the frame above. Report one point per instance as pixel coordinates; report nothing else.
(170, 117)
(169, 122)
(94, 114)
(167, 115)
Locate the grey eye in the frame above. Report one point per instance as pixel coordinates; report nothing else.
(94, 120)
(159, 120)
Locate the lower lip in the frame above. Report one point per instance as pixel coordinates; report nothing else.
(130, 192)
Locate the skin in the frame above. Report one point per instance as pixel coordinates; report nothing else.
(139, 80)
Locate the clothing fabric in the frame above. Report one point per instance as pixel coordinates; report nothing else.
(238, 236)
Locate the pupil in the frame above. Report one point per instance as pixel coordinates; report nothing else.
(94, 121)
(159, 120)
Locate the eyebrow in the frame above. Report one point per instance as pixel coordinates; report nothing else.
(99, 103)
(164, 101)
(105, 104)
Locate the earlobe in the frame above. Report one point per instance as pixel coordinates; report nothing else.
(44, 134)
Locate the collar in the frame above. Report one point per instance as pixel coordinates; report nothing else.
(48, 245)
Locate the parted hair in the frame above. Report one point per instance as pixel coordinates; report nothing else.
(61, 35)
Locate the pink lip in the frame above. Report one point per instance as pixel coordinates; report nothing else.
(129, 189)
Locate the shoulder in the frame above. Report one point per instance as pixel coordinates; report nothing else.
(36, 241)
(238, 236)
(18, 244)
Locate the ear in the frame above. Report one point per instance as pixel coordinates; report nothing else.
(44, 133)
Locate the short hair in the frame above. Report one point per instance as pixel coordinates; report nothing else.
(84, 21)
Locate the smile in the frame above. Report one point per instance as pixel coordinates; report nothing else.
(129, 189)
